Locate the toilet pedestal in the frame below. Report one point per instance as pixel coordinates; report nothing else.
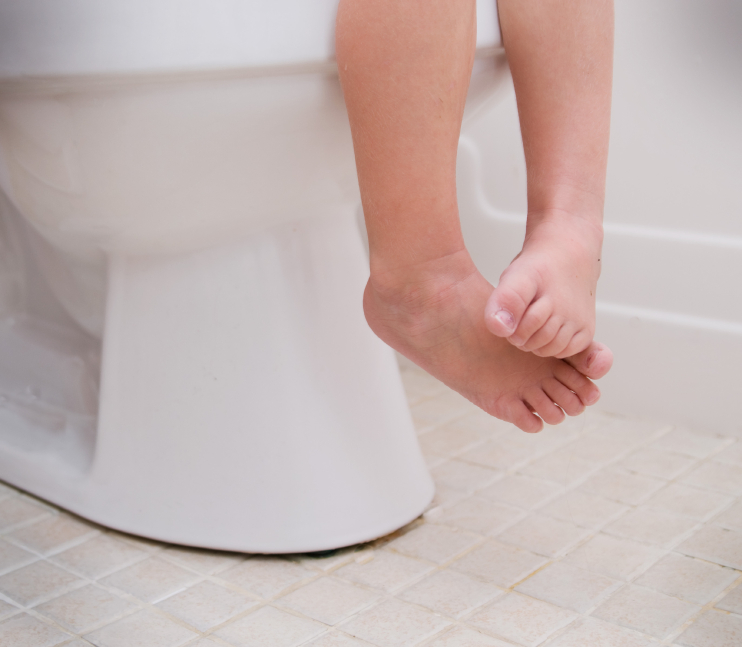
(244, 404)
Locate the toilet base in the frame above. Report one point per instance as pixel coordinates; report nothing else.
(245, 404)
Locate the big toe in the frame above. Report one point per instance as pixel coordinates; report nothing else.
(506, 305)
(594, 362)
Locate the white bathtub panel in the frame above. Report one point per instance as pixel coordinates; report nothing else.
(665, 308)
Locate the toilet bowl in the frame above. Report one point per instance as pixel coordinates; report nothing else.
(183, 353)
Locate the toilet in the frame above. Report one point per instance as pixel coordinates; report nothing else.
(183, 353)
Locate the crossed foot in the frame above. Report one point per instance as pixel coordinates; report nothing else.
(433, 314)
(545, 300)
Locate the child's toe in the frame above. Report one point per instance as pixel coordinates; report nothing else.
(521, 416)
(507, 304)
(535, 318)
(543, 405)
(543, 337)
(561, 395)
(578, 383)
(559, 341)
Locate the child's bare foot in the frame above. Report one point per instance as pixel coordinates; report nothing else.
(432, 314)
(545, 301)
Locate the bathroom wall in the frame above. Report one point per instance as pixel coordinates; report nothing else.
(670, 299)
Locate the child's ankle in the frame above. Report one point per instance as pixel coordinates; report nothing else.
(589, 225)
(400, 281)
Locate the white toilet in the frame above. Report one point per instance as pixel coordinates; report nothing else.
(183, 353)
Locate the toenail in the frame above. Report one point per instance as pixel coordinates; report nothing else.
(505, 318)
(591, 358)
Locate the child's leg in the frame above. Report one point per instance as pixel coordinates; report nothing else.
(405, 68)
(560, 53)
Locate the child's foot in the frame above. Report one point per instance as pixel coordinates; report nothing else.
(545, 301)
(432, 314)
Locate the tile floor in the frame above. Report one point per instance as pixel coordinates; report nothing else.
(603, 532)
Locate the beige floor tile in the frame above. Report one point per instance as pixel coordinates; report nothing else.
(338, 639)
(561, 466)
(521, 491)
(634, 429)
(583, 509)
(447, 497)
(151, 580)
(269, 626)
(26, 631)
(433, 460)
(592, 632)
(267, 576)
(732, 601)
(53, 534)
(146, 627)
(714, 544)
(597, 449)
(622, 486)
(419, 386)
(386, 571)
(39, 581)
(395, 624)
(7, 491)
(731, 518)
(12, 557)
(720, 477)
(590, 420)
(458, 475)
(645, 610)
(7, 609)
(451, 594)
(150, 546)
(730, 454)
(99, 556)
(689, 579)
(499, 564)
(85, 609)
(329, 600)
(659, 463)
(713, 629)
(463, 637)
(690, 443)
(499, 453)
(440, 409)
(651, 526)
(451, 440)
(207, 562)
(479, 421)
(206, 605)
(18, 510)
(202, 642)
(613, 556)
(688, 501)
(544, 535)
(608, 443)
(477, 514)
(569, 587)
(548, 440)
(436, 544)
(521, 619)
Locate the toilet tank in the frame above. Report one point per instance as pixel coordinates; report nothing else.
(71, 37)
